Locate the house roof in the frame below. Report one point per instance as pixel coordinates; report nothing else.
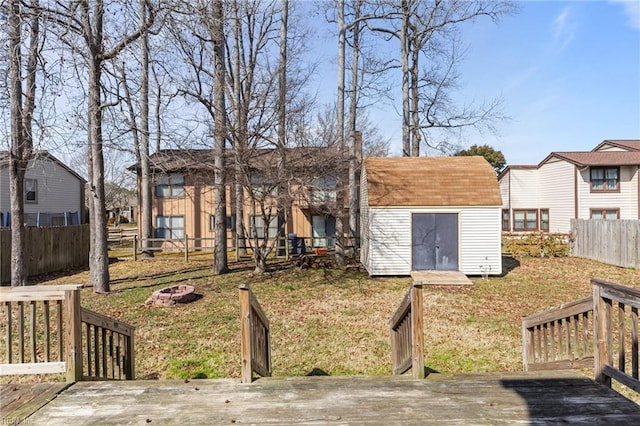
(628, 144)
(302, 161)
(4, 159)
(431, 181)
(598, 158)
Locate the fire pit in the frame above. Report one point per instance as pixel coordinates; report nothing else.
(172, 295)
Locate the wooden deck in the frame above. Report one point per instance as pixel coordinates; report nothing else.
(480, 399)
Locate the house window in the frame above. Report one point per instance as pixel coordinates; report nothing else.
(31, 191)
(544, 220)
(170, 227)
(262, 185)
(170, 186)
(505, 220)
(231, 223)
(525, 220)
(605, 213)
(605, 179)
(323, 230)
(323, 190)
(260, 227)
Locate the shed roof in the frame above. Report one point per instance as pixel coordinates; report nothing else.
(431, 181)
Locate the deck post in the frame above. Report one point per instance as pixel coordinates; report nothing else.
(73, 335)
(245, 333)
(602, 353)
(129, 368)
(417, 332)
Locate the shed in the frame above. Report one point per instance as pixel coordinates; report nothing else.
(430, 213)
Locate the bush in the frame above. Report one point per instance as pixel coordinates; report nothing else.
(536, 245)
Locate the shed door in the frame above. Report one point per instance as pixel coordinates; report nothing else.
(434, 241)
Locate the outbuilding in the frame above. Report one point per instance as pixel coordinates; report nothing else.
(430, 213)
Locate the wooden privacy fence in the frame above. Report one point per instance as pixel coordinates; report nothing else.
(45, 330)
(407, 334)
(255, 337)
(601, 331)
(611, 241)
(47, 250)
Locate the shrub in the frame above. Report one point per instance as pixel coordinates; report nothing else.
(536, 245)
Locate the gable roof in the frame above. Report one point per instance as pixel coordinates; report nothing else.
(628, 144)
(431, 181)
(598, 158)
(4, 159)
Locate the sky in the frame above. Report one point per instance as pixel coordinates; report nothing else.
(568, 74)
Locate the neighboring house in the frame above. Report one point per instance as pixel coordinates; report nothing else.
(430, 213)
(183, 194)
(600, 184)
(53, 193)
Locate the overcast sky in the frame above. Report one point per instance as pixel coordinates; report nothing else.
(568, 73)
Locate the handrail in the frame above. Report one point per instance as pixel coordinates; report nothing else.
(407, 334)
(558, 338)
(610, 316)
(615, 333)
(54, 330)
(109, 347)
(255, 337)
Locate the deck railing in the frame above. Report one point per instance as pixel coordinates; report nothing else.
(599, 331)
(559, 338)
(109, 348)
(255, 337)
(407, 335)
(616, 333)
(53, 328)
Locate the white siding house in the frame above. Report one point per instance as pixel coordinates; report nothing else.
(602, 183)
(53, 192)
(430, 213)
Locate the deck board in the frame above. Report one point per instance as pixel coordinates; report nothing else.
(494, 398)
(18, 401)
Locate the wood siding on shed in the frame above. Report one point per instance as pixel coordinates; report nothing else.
(389, 240)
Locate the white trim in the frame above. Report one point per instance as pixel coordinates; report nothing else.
(33, 368)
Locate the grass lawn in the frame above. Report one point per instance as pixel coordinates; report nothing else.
(332, 320)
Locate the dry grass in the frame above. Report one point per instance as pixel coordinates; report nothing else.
(332, 320)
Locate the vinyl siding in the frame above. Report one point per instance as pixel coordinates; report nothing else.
(480, 241)
(504, 189)
(524, 188)
(390, 240)
(557, 193)
(626, 200)
(58, 190)
(5, 200)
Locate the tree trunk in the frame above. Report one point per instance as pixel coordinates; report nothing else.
(415, 97)
(284, 207)
(404, 55)
(339, 249)
(145, 170)
(220, 265)
(21, 129)
(99, 256)
(353, 155)
(240, 133)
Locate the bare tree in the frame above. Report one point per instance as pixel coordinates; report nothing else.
(428, 33)
(87, 21)
(22, 107)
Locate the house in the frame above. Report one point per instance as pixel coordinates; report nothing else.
(600, 184)
(53, 192)
(430, 213)
(183, 194)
